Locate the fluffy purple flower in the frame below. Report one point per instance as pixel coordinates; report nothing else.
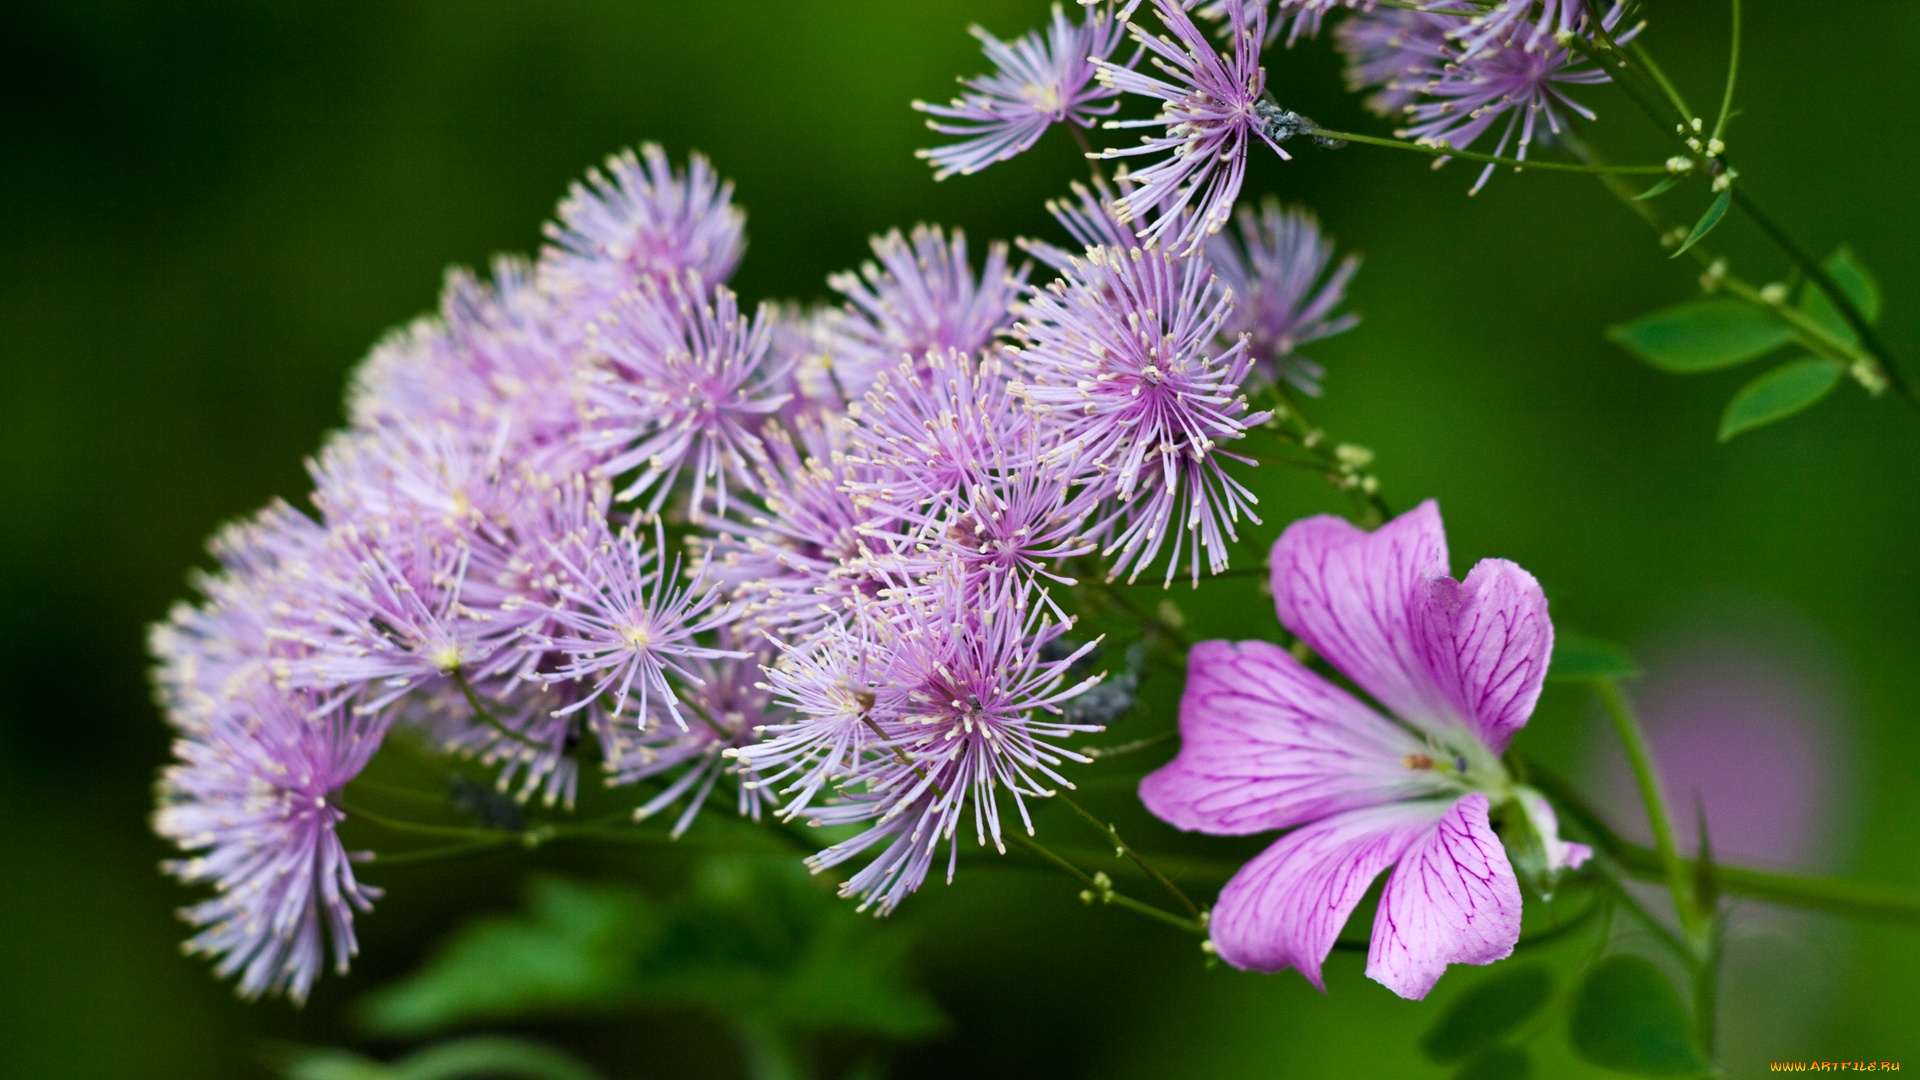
(624, 620)
(690, 381)
(1038, 82)
(1395, 50)
(1505, 23)
(1464, 89)
(931, 432)
(1307, 15)
(1212, 111)
(1091, 218)
(641, 219)
(253, 791)
(1122, 366)
(922, 296)
(1268, 744)
(1274, 269)
(731, 708)
(957, 713)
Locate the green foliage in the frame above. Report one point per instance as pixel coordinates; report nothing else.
(1702, 335)
(1578, 657)
(1489, 1010)
(1715, 211)
(1658, 189)
(1859, 285)
(754, 942)
(1627, 1017)
(494, 1056)
(1499, 1063)
(1787, 389)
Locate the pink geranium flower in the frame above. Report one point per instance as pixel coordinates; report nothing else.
(1268, 744)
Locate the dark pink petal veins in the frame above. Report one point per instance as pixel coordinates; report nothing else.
(1286, 907)
(1267, 744)
(1488, 641)
(1359, 598)
(1452, 900)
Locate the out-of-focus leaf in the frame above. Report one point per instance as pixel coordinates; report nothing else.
(1779, 393)
(1659, 188)
(1489, 1009)
(1715, 211)
(1702, 335)
(493, 1056)
(1859, 285)
(489, 807)
(755, 941)
(1627, 1017)
(572, 951)
(1499, 1063)
(1576, 656)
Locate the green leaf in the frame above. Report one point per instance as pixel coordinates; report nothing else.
(1487, 1011)
(1499, 1063)
(1664, 185)
(481, 1055)
(1715, 211)
(1854, 280)
(1703, 335)
(1627, 1017)
(1779, 394)
(1576, 656)
(754, 941)
(572, 952)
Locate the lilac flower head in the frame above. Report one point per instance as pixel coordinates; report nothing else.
(253, 791)
(1395, 50)
(731, 708)
(1091, 218)
(1038, 82)
(1122, 366)
(921, 296)
(1274, 269)
(1212, 110)
(931, 433)
(624, 621)
(959, 713)
(1465, 90)
(1307, 15)
(689, 381)
(1507, 23)
(1268, 744)
(642, 218)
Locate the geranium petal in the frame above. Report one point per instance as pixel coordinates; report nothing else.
(1452, 900)
(1266, 744)
(1488, 640)
(1360, 599)
(1286, 906)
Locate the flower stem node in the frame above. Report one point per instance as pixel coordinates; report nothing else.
(1725, 180)
(1868, 374)
(1774, 293)
(1679, 163)
(1710, 279)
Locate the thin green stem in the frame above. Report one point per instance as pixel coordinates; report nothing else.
(1102, 753)
(1627, 726)
(1104, 891)
(1733, 74)
(1706, 976)
(1468, 155)
(440, 854)
(1641, 54)
(486, 717)
(1122, 847)
(421, 828)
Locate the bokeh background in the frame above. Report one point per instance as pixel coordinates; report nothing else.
(209, 211)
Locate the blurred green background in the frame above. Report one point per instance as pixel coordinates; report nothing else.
(209, 211)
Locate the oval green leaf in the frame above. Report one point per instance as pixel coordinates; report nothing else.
(1487, 1011)
(1715, 211)
(1576, 656)
(1627, 1017)
(1703, 335)
(1859, 285)
(1499, 1063)
(1779, 394)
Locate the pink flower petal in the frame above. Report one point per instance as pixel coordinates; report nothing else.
(1359, 599)
(1452, 900)
(1488, 641)
(1267, 744)
(1286, 907)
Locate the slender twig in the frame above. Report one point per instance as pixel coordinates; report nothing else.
(1733, 74)
(1123, 848)
(486, 717)
(450, 851)
(1641, 54)
(1627, 726)
(1104, 890)
(1102, 753)
(1468, 155)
